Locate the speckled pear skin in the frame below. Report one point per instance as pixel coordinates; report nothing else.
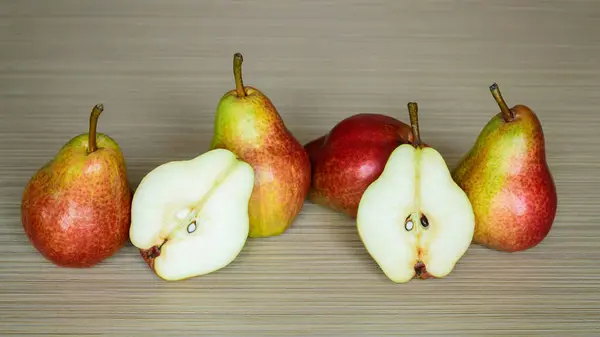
(507, 178)
(252, 128)
(76, 209)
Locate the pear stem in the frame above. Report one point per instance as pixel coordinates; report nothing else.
(413, 111)
(507, 113)
(237, 74)
(92, 144)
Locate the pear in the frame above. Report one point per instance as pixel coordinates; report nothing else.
(414, 220)
(190, 217)
(76, 208)
(507, 178)
(248, 124)
(346, 160)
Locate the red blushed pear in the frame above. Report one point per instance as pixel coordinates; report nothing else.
(248, 124)
(507, 178)
(350, 157)
(76, 209)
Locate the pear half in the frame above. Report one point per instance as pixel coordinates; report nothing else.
(190, 217)
(414, 220)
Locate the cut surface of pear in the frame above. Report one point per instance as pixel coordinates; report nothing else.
(414, 220)
(190, 217)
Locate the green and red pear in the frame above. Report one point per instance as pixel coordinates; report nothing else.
(76, 209)
(508, 180)
(248, 124)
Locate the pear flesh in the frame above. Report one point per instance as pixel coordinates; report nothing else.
(414, 220)
(190, 217)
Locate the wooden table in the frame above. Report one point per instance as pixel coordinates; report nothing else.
(161, 67)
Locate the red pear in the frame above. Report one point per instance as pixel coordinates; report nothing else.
(350, 157)
(507, 178)
(76, 209)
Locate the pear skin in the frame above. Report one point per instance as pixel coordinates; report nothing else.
(507, 178)
(248, 124)
(76, 209)
(346, 160)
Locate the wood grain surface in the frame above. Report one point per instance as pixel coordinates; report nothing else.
(160, 67)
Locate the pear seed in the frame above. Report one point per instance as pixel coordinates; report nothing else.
(191, 227)
(424, 221)
(409, 225)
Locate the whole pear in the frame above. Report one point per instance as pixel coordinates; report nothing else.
(76, 209)
(346, 160)
(507, 179)
(248, 124)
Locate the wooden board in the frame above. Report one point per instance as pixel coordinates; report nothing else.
(161, 67)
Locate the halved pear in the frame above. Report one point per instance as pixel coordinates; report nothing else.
(190, 217)
(414, 220)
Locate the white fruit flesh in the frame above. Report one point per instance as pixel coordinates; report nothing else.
(415, 185)
(195, 212)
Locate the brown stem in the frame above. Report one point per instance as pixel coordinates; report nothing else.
(507, 113)
(237, 74)
(413, 111)
(92, 145)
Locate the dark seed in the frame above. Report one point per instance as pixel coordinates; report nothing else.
(424, 221)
